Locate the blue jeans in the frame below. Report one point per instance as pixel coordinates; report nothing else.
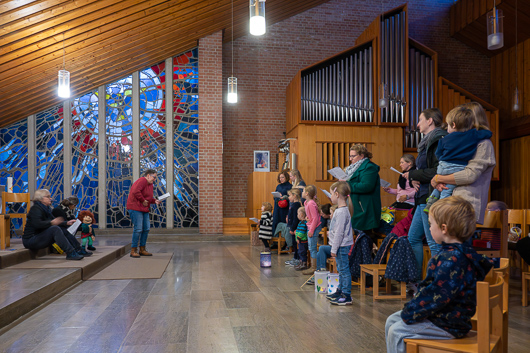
(141, 227)
(419, 228)
(445, 168)
(302, 251)
(313, 241)
(445, 193)
(396, 331)
(324, 252)
(343, 266)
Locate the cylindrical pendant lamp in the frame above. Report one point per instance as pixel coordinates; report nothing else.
(257, 17)
(495, 30)
(64, 84)
(232, 90)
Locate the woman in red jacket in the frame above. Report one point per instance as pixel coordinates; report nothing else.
(140, 197)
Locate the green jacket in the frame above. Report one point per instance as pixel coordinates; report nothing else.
(366, 196)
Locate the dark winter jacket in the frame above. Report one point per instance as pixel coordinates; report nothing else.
(39, 218)
(402, 265)
(447, 295)
(280, 214)
(292, 216)
(366, 196)
(361, 253)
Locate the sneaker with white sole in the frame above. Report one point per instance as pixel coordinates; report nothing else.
(334, 296)
(342, 300)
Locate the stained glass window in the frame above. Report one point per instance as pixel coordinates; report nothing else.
(186, 137)
(14, 160)
(85, 152)
(119, 151)
(153, 133)
(49, 145)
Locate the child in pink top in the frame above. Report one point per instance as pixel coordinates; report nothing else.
(313, 215)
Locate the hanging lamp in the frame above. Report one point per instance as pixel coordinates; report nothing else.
(232, 81)
(257, 17)
(516, 105)
(63, 88)
(495, 30)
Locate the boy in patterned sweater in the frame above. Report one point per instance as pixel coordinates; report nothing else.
(446, 298)
(301, 239)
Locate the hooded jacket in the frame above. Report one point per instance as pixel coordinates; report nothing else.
(447, 295)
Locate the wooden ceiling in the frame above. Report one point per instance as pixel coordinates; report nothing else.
(105, 40)
(468, 23)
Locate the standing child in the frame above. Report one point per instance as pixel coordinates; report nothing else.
(292, 223)
(301, 239)
(446, 298)
(456, 149)
(341, 239)
(313, 221)
(265, 224)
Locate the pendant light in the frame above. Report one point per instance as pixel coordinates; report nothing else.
(516, 104)
(63, 89)
(232, 81)
(495, 34)
(257, 17)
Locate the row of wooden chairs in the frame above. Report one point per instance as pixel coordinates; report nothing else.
(6, 218)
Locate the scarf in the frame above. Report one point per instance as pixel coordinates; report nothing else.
(352, 168)
(46, 209)
(426, 140)
(402, 181)
(69, 213)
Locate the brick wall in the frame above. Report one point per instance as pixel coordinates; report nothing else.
(265, 65)
(210, 132)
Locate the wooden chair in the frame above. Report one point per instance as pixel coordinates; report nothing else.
(516, 218)
(281, 242)
(489, 334)
(5, 220)
(498, 220)
(504, 272)
(377, 270)
(426, 259)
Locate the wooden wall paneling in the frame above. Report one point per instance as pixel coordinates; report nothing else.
(330, 158)
(458, 10)
(319, 163)
(525, 71)
(325, 161)
(469, 12)
(260, 186)
(521, 78)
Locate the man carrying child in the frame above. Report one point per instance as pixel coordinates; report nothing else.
(446, 298)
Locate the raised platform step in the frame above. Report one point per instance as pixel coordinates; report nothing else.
(29, 278)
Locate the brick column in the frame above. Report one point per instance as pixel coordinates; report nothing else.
(211, 134)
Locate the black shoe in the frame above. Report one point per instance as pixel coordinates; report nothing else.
(91, 248)
(74, 256)
(84, 253)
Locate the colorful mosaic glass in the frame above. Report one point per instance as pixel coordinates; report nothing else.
(119, 151)
(85, 151)
(186, 137)
(153, 134)
(14, 161)
(49, 145)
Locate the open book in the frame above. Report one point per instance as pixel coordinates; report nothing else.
(326, 193)
(255, 220)
(73, 228)
(384, 183)
(276, 194)
(395, 170)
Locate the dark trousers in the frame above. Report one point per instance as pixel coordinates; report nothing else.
(265, 242)
(302, 250)
(295, 247)
(54, 234)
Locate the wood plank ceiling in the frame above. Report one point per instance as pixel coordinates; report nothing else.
(105, 40)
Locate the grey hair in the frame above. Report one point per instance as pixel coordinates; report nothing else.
(40, 194)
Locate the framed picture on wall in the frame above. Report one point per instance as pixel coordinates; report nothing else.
(262, 161)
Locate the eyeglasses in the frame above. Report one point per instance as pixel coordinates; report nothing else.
(353, 156)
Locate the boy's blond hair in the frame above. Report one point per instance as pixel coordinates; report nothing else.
(463, 118)
(267, 205)
(457, 214)
(302, 210)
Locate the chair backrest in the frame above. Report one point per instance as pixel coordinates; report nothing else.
(18, 198)
(498, 220)
(504, 272)
(490, 306)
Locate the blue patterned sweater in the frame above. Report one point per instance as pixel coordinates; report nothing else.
(447, 295)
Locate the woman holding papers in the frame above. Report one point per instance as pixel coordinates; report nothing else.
(405, 190)
(43, 229)
(140, 197)
(282, 209)
(363, 177)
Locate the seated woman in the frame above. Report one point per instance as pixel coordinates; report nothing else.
(66, 209)
(42, 229)
(405, 190)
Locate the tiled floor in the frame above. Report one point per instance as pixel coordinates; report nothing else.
(214, 297)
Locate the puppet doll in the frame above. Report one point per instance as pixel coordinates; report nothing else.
(87, 232)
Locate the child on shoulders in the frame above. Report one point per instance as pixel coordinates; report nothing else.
(265, 224)
(446, 298)
(456, 149)
(341, 240)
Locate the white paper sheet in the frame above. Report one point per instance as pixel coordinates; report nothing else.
(255, 220)
(163, 197)
(73, 228)
(395, 170)
(276, 194)
(326, 193)
(384, 183)
(338, 173)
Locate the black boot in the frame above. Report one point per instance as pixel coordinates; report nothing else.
(74, 255)
(83, 252)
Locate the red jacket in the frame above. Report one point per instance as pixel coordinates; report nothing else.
(141, 190)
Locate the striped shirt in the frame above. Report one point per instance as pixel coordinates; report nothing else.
(265, 225)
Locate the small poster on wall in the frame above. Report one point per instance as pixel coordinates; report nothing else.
(261, 161)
